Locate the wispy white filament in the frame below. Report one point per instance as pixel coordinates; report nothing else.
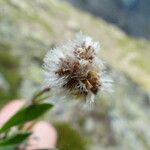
(67, 52)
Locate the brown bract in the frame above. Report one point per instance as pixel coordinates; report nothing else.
(79, 78)
(83, 52)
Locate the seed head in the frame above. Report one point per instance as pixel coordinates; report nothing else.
(75, 69)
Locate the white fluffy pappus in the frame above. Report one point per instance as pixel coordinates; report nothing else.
(75, 70)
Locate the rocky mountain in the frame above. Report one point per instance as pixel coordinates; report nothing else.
(28, 29)
(130, 15)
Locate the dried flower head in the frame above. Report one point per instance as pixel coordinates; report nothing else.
(75, 68)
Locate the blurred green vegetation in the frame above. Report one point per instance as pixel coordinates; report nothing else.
(9, 67)
(69, 138)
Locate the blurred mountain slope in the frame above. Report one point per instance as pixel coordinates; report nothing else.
(37, 24)
(30, 28)
(130, 15)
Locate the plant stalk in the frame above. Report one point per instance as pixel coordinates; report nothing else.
(35, 98)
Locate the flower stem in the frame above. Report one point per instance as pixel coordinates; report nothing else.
(35, 98)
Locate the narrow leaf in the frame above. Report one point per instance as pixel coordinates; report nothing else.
(7, 147)
(15, 139)
(26, 114)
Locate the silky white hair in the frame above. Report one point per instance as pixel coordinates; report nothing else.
(73, 51)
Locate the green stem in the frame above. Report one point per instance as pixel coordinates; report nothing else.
(35, 98)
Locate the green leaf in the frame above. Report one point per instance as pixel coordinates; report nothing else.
(52, 149)
(7, 147)
(26, 114)
(15, 139)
